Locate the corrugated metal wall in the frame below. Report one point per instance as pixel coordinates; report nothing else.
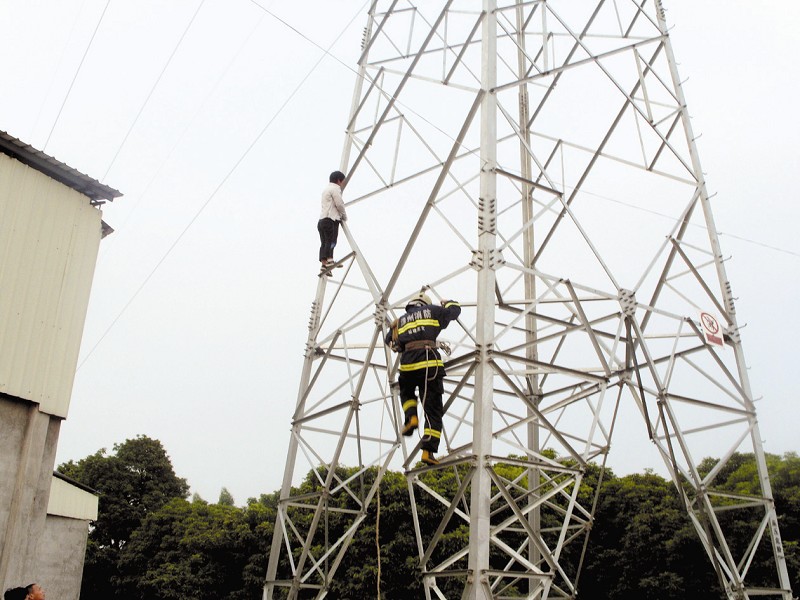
(49, 238)
(66, 500)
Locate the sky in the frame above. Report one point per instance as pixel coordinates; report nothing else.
(219, 121)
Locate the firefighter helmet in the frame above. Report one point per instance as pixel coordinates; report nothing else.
(420, 298)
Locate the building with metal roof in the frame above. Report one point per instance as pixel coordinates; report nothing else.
(50, 230)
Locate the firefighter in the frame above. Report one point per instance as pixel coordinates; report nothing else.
(421, 367)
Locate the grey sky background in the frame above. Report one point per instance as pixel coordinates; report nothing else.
(219, 120)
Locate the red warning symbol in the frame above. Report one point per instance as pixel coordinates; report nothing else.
(711, 329)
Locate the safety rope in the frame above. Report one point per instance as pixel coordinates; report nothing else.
(377, 540)
(378, 512)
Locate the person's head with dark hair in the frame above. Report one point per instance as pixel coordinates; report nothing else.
(17, 593)
(336, 177)
(34, 592)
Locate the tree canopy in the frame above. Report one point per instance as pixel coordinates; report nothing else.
(151, 542)
(134, 481)
(197, 550)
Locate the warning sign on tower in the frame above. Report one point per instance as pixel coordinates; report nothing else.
(711, 329)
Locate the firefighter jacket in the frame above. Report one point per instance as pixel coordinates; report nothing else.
(421, 323)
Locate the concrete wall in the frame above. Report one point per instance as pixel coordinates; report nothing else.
(60, 557)
(28, 441)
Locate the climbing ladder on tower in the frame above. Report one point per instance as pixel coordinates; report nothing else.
(535, 161)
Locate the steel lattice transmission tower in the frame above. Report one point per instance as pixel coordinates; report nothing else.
(535, 161)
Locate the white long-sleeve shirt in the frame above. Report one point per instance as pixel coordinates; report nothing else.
(332, 203)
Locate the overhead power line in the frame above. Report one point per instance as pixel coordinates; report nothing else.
(77, 71)
(326, 53)
(349, 68)
(357, 74)
(762, 244)
(672, 218)
(155, 85)
(165, 160)
(216, 190)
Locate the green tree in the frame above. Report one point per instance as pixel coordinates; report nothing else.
(196, 550)
(260, 516)
(226, 498)
(384, 543)
(642, 545)
(387, 536)
(150, 542)
(133, 481)
(740, 476)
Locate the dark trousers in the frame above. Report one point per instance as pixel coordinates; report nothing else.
(430, 394)
(328, 234)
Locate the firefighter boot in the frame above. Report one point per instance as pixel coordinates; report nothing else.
(410, 425)
(428, 458)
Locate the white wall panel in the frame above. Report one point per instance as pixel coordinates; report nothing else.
(67, 500)
(49, 238)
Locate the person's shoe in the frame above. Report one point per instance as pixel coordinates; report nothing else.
(410, 426)
(325, 270)
(332, 263)
(428, 458)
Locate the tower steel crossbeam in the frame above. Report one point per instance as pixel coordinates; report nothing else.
(535, 161)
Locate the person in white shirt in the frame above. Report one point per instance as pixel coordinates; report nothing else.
(332, 213)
